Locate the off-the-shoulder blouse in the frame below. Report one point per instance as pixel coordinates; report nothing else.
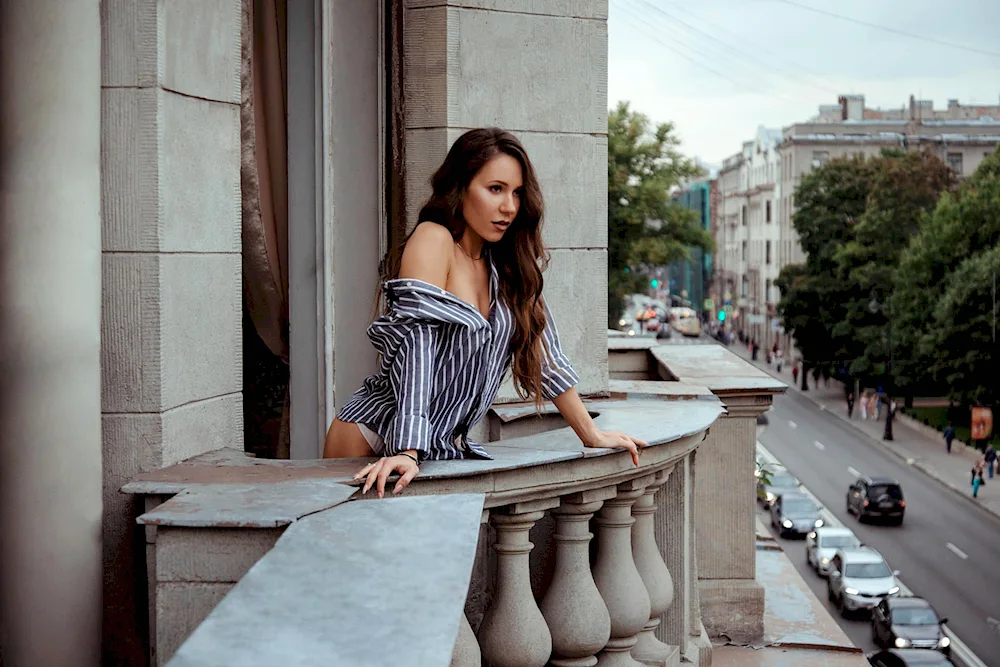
(441, 365)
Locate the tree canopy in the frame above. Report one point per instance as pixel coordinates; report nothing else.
(645, 228)
(901, 262)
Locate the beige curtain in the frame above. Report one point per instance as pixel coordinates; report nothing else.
(264, 170)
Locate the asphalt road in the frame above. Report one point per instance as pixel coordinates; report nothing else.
(947, 550)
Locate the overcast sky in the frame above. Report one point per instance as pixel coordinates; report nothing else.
(774, 62)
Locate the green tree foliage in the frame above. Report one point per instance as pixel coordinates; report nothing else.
(961, 226)
(965, 356)
(800, 302)
(830, 200)
(903, 188)
(645, 228)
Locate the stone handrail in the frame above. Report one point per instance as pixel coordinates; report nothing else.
(547, 606)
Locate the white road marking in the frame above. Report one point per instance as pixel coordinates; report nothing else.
(854, 472)
(822, 407)
(819, 445)
(792, 425)
(910, 462)
(961, 653)
(958, 552)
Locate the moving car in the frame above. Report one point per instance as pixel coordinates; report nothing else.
(688, 326)
(879, 497)
(822, 544)
(859, 579)
(908, 657)
(777, 481)
(794, 513)
(908, 623)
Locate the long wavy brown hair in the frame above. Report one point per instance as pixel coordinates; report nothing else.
(520, 256)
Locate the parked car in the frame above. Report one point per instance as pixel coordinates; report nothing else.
(908, 657)
(859, 579)
(822, 544)
(777, 481)
(794, 513)
(881, 497)
(908, 623)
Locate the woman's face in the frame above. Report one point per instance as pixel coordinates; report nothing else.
(493, 198)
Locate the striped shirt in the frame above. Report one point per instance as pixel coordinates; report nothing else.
(441, 365)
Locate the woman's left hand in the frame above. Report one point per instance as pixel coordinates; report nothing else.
(615, 440)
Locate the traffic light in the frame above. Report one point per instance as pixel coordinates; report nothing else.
(722, 316)
(654, 283)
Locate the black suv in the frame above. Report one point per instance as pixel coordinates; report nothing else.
(879, 497)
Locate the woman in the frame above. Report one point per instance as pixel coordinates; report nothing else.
(463, 306)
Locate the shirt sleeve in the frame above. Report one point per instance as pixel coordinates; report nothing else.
(413, 372)
(558, 375)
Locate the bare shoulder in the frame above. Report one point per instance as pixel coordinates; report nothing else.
(427, 255)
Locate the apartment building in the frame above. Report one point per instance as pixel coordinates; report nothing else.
(754, 229)
(747, 233)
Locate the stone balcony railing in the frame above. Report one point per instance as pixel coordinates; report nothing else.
(254, 562)
(564, 602)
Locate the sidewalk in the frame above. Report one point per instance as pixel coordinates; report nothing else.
(912, 441)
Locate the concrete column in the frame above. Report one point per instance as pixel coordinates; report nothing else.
(572, 606)
(731, 600)
(514, 632)
(655, 575)
(452, 83)
(50, 304)
(617, 577)
(674, 532)
(171, 335)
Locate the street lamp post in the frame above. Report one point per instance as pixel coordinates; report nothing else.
(874, 306)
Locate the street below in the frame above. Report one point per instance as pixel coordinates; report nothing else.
(947, 550)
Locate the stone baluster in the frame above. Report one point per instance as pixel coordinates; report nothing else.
(572, 606)
(514, 632)
(466, 653)
(654, 573)
(617, 578)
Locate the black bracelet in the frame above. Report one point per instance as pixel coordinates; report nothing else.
(414, 457)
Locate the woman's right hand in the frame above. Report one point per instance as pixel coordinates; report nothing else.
(378, 472)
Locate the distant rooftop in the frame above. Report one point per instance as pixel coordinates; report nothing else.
(852, 108)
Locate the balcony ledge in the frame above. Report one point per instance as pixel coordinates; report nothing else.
(247, 492)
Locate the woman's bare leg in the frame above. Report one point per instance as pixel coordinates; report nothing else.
(344, 440)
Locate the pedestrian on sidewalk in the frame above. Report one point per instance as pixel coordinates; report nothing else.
(864, 406)
(890, 415)
(991, 458)
(755, 349)
(795, 374)
(850, 404)
(977, 477)
(949, 436)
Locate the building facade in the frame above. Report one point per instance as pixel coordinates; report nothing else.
(748, 213)
(753, 225)
(138, 154)
(690, 279)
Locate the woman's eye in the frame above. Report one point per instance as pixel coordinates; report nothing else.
(517, 193)
(495, 188)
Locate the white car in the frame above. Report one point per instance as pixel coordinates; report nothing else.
(822, 544)
(859, 579)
